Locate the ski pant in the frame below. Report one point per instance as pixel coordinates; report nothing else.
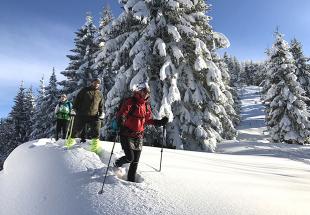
(84, 135)
(132, 156)
(61, 127)
(80, 123)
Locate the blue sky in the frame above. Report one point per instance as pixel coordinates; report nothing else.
(36, 35)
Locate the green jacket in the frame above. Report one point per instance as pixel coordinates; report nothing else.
(88, 102)
(63, 110)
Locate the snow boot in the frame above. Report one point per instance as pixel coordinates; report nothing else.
(95, 146)
(70, 142)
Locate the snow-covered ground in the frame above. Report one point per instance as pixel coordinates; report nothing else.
(253, 134)
(244, 177)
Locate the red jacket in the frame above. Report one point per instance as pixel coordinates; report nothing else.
(135, 118)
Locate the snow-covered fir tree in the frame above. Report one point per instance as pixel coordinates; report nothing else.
(120, 36)
(169, 44)
(230, 67)
(48, 105)
(105, 20)
(16, 128)
(266, 83)
(260, 75)
(249, 73)
(7, 139)
(234, 69)
(100, 64)
(232, 107)
(80, 72)
(238, 71)
(7, 136)
(30, 110)
(19, 116)
(303, 67)
(40, 117)
(286, 113)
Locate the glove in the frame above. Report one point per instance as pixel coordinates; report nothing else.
(164, 120)
(72, 113)
(114, 126)
(161, 122)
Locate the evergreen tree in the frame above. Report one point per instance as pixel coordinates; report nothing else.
(303, 68)
(40, 117)
(7, 139)
(19, 116)
(7, 136)
(80, 72)
(251, 73)
(105, 20)
(30, 109)
(100, 64)
(49, 103)
(238, 71)
(230, 67)
(261, 73)
(16, 129)
(232, 108)
(287, 117)
(234, 69)
(169, 43)
(121, 37)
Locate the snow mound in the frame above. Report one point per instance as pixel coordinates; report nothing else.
(42, 177)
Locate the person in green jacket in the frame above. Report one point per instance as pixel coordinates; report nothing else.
(62, 111)
(88, 108)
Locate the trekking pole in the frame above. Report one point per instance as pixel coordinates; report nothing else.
(69, 141)
(162, 145)
(106, 172)
(72, 122)
(68, 128)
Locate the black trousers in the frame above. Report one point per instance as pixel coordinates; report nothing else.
(131, 156)
(80, 123)
(61, 127)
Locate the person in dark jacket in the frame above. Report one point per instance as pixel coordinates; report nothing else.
(88, 108)
(134, 114)
(62, 112)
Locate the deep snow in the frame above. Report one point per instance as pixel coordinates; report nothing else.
(42, 177)
(253, 136)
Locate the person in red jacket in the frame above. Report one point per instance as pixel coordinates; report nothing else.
(134, 114)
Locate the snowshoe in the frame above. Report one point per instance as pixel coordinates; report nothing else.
(70, 142)
(95, 147)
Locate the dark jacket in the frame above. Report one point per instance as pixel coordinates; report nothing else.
(88, 102)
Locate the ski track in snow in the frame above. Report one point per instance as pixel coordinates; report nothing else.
(249, 177)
